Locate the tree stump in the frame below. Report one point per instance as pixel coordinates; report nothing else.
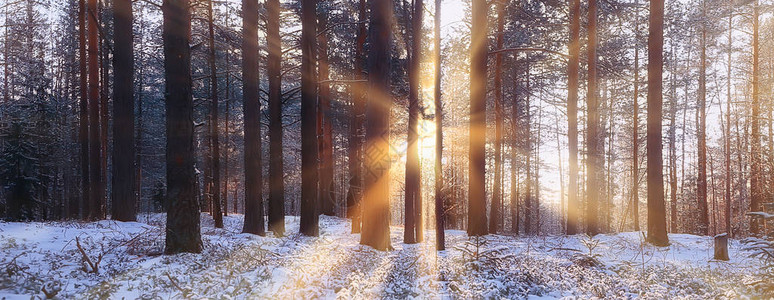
(721, 246)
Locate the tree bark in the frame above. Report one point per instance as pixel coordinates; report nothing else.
(529, 209)
(477, 224)
(756, 170)
(573, 205)
(727, 136)
(440, 211)
(721, 247)
(657, 234)
(701, 184)
(324, 119)
(123, 112)
(610, 158)
(140, 121)
(494, 212)
(636, 128)
(103, 111)
(7, 48)
(276, 168)
(97, 189)
(226, 131)
(83, 125)
(376, 201)
(413, 174)
(217, 211)
(355, 192)
(252, 111)
(309, 145)
(562, 205)
(182, 233)
(594, 160)
(673, 145)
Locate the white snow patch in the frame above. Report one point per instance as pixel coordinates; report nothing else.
(34, 256)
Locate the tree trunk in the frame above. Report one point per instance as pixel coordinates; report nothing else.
(573, 205)
(376, 201)
(673, 145)
(727, 136)
(183, 233)
(276, 173)
(527, 137)
(355, 192)
(309, 145)
(636, 127)
(7, 49)
(610, 159)
(83, 125)
(536, 198)
(123, 112)
(138, 146)
(226, 131)
(413, 173)
(206, 152)
(324, 119)
(214, 123)
(103, 111)
(477, 224)
(721, 247)
(562, 204)
(97, 189)
(657, 234)
(701, 184)
(594, 160)
(252, 111)
(139, 133)
(756, 176)
(494, 212)
(440, 211)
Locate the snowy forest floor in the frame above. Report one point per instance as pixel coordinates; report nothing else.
(44, 258)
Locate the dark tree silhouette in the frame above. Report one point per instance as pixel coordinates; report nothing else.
(309, 159)
(252, 109)
(182, 233)
(276, 183)
(376, 201)
(97, 189)
(214, 194)
(355, 192)
(123, 208)
(324, 127)
(83, 105)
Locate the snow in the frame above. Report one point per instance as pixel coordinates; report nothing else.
(38, 256)
(761, 214)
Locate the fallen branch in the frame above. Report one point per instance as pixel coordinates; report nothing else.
(51, 290)
(564, 249)
(177, 286)
(92, 264)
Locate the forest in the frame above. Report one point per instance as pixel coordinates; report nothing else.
(390, 149)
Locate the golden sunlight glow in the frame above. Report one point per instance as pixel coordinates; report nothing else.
(427, 143)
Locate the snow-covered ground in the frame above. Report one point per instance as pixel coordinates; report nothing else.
(40, 258)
